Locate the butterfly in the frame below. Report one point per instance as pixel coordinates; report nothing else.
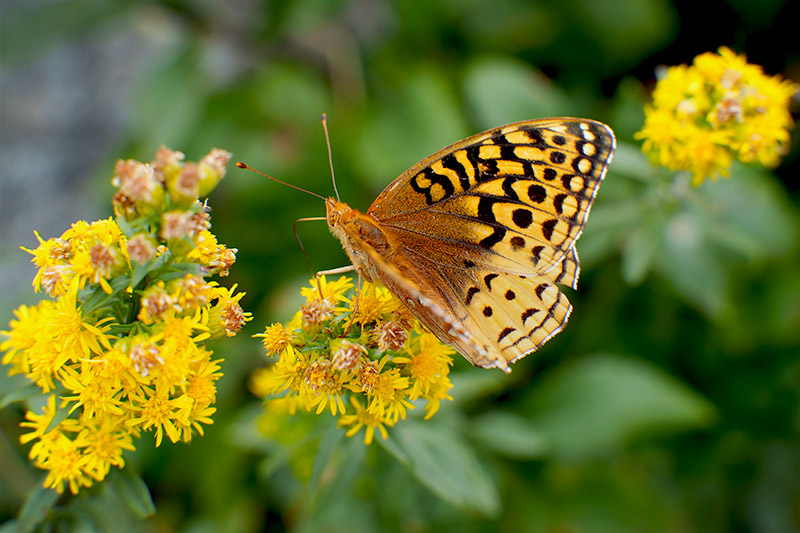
(476, 238)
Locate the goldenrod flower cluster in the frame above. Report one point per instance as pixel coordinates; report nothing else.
(718, 109)
(365, 367)
(120, 347)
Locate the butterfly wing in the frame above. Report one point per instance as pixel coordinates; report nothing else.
(484, 229)
(512, 199)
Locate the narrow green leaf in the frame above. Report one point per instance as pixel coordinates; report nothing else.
(140, 271)
(331, 440)
(178, 270)
(59, 417)
(640, 251)
(391, 445)
(36, 507)
(133, 491)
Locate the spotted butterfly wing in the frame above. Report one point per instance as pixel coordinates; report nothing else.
(475, 238)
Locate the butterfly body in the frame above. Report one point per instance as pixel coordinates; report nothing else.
(475, 238)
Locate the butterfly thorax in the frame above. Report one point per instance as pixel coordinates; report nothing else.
(356, 230)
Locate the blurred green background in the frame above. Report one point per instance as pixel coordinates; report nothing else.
(670, 403)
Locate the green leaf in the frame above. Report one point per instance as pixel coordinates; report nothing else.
(16, 388)
(140, 271)
(596, 404)
(422, 100)
(391, 445)
(178, 270)
(469, 386)
(36, 507)
(12, 526)
(502, 90)
(640, 251)
(133, 491)
(750, 213)
(510, 435)
(444, 463)
(331, 440)
(60, 416)
(699, 272)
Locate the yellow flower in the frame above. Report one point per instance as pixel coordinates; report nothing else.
(363, 418)
(54, 451)
(333, 290)
(104, 445)
(322, 383)
(53, 335)
(274, 339)
(380, 364)
(388, 395)
(719, 108)
(156, 410)
(226, 315)
(124, 338)
(39, 424)
(427, 363)
(66, 465)
(374, 303)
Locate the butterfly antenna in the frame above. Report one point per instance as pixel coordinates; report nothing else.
(248, 167)
(303, 249)
(330, 156)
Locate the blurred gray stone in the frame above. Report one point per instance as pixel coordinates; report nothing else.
(62, 112)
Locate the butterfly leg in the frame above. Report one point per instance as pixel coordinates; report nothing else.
(355, 306)
(340, 270)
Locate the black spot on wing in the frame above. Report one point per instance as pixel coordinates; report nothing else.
(540, 289)
(536, 253)
(522, 218)
(536, 138)
(528, 313)
(557, 157)
(506, 332)
(472, 291)
(517, 242)
(547, 228)
(537, 193)
(558, 202)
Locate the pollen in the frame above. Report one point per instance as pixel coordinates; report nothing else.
(348, 356)
(316, 312)
(141, 249)
(232, 318)
(391, 335)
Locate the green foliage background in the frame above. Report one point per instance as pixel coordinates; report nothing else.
(670, 403)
